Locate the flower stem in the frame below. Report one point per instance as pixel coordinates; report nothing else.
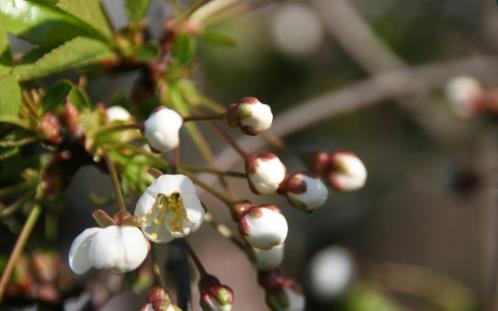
(197, 262)
(219, 195)
(119, 127)
(19, 246)
(229, 139)
(115, 182)
(224, 231)
(203, 117)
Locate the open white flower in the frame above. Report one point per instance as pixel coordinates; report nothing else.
(251, 115)
(347, 172)
(169, 208)
(162, 129)
(265, 172)
(118, 248)
(118, 114)
(464, 94)
(306, 191)
(264, 227)
(266, 260)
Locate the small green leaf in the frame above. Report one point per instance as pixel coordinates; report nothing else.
(17, 138)
(10, 98)
(41, 23)
(147, 52)
(77, 52)
(184, 48)
(56, 95)
(218, 38)
(136, 9)
(5, 54)
(89, 11)
(79, 98)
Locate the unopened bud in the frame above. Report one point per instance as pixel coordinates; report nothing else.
(265, 172)
(51, 128)
(162, 129)
(465, 95)
(305, 191)
(282, 293)
(250, 115)
(266, 260)
(264, 227)
(343, 170)
(215, 296)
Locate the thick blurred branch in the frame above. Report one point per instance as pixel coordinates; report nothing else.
(354, 34)
(383, 86)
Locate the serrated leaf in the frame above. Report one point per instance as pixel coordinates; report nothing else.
(41, 23)
(218, 38)
(136, 9)
(10, 98)
(89, 11)
(56, 95)
(184, 48)
(76, 52)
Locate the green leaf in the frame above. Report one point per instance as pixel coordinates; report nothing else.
(76, 52)
(41, 23)
(184, 48)
(147, 52)
(79, 98)
(56, 95)
(5, 54)
(218, 38)
(10, 99)
(89, 11)
(136, 9)
(7, 152)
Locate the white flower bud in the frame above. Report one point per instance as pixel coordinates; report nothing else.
(162, 129)
(169, 208)
(464, 94)
(118, 114)
(265, 172)
(266, 260)
(251, 115)
(282, 293)
(216, 298)
(119, 248)
(332, 272)
(347, 172)
(159, 300)
(306, 191)
(264, 227)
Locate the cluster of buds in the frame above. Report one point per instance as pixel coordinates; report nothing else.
(39, 275)
(282, 293)
(159, 300)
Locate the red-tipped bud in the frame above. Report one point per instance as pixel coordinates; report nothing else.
(265, 172)
(343, 170)
(264, 227)
(50, 128)
(215, 296)
(282, 293)
(250, 115)
(305, 191)
(465, 95)
(159, 300)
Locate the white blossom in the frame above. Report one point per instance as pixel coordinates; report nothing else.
(306, 191)
(118, 248)
(162, 129)
(464, 94)
(264, 227)
(332, 271)
(265, 172)
(347, 172)
(270, 259)
(169, 208)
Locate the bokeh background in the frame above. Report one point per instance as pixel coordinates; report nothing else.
(423, 233)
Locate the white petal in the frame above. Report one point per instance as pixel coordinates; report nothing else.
(118, 113)
(106, 250)
(79, 260)
(135, 248)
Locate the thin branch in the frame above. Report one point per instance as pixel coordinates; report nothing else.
(229, 139)
(115, 182)
(19, 246)
(203, 117)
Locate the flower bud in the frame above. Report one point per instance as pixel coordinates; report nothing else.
(215, 296)
(252, 116)
(264, 227)
(282, 293)
(266, 260)
(51, 128)
(343, 170)
(119, 248)
(265, 172)
(162, 129)
(169, 208)
(465, 95)
(306, 191)
(332, 271)
(118, 114)
(159, 300)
